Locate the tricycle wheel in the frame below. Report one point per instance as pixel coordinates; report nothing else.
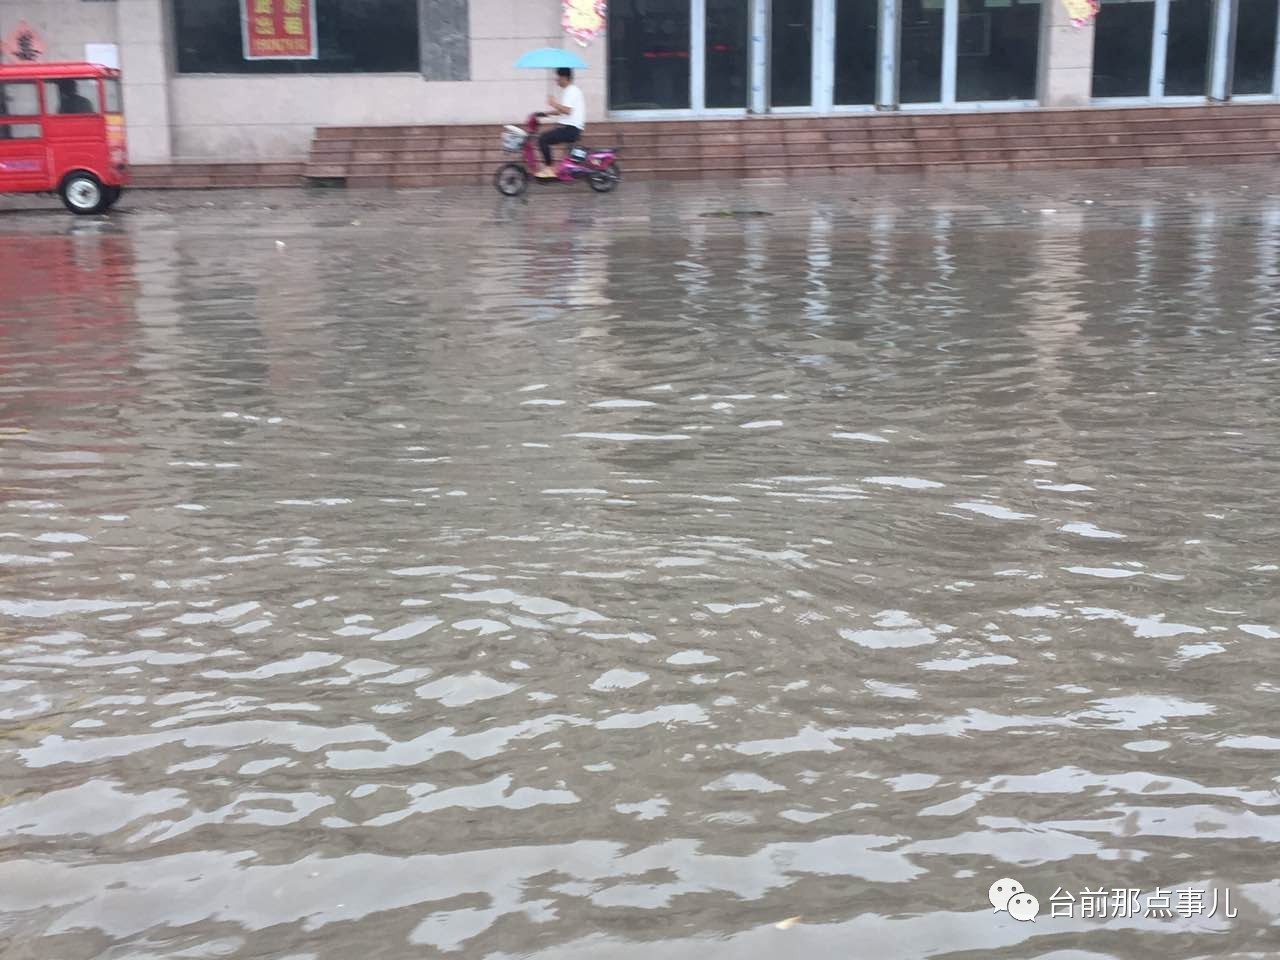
(83, 193)
(110, 196)
(511, 180)
(606, 180)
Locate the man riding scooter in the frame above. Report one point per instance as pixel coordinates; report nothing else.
(571, 109)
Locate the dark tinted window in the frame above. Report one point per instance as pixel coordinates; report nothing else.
(857, 50)
(998, 44)
(71, 96)
(1255, 47)
(648, 54)
(726, 44)
(1122, 49)
(353, 36)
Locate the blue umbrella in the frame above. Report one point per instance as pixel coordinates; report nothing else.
(550, 58)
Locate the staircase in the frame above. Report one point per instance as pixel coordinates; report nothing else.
(200, 175)
(774, 147)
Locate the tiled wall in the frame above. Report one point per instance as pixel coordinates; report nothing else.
(1066, 59)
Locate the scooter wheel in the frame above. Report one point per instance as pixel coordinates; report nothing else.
(511, 180)
(606, 180)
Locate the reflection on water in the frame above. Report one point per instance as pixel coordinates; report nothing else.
(591, 578)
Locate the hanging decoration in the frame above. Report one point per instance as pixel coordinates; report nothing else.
(1081, 12)
(583, 19)
(23, 45)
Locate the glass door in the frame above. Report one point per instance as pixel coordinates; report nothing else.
(1254, 71)
(920, 51)
(726, 43)
(790, 53)
(1152, 49)
(856, 51)
(1186, 63)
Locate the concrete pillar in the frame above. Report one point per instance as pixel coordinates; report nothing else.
(593, 80)
(142, 29)
(445, 32)
(1066, 58)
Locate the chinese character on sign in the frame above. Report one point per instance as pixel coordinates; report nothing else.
(1124, 903)
(1190, 902)
(1093, 903)
(279, 29)
(1230, 912)
(1062, 904)
(1158, 904)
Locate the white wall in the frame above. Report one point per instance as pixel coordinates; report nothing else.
(64, 25)
(264, 117)
(273, 117)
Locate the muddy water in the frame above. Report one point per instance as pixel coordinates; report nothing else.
(415, 575)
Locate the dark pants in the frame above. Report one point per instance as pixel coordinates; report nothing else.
(561, 134)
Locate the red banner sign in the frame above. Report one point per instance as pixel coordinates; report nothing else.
(279, 29)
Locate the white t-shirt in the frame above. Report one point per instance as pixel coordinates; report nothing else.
(571, 97)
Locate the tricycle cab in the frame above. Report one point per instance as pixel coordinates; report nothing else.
(62, 130)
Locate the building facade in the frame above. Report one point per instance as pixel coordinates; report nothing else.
(190, 92)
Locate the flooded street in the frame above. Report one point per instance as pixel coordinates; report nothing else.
(405, 575)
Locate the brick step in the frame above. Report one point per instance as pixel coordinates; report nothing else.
(643, 133)
(492, 154)
(204, 166)
(648, 176)
(179, 182)
(446, 161)
(199, 174)
(904, 119)
(491, 144)
(397, 181)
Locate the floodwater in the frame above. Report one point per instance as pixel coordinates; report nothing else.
(428, 574)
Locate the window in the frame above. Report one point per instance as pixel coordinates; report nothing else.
(857, 23)
(71, 96)
(115, 103)
(1122, 49)
(19, 100)
(1187, 54)
(353, 36)
(997, 48)
(920, 52)
(727, 60)
(791, 53)
(1255, 61)
(19, 131)
(649, 55)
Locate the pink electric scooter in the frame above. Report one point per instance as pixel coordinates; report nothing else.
(598, 167)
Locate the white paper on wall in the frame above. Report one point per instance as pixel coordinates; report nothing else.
(103, 54)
